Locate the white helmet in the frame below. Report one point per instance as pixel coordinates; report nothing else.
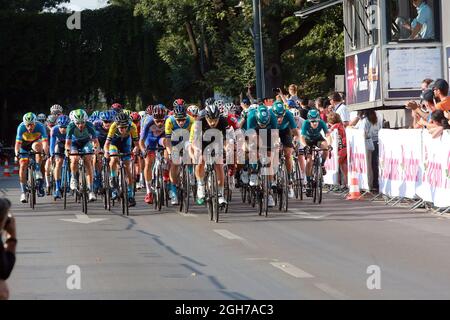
(192, 110)
(142, 113)
(56, 109)
(295, 112)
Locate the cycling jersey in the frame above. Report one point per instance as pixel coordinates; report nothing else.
(57, 141)
(114, 134)
(253, 124)
(232, 121)
(314, 134)
(28, 138)
(288, 121)
(81, 137)
(151, 134)
(102, 133)
(172, 125)
(203, 125)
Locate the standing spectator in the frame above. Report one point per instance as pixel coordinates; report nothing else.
(426, 83)
(371, 126)
(320, 105)
(440, 89)
(293, 89)
(339, 107)
(7, 250)
(304, 107)
(335, 123)
(422, 117)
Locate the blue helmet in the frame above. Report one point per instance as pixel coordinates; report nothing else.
(63, 121)
(278, 109)
(106, 116)
(313, 114)
(262, 116)
(291, 104)
(179, 111)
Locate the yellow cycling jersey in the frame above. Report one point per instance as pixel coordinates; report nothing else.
(131, 131)
(171, 125)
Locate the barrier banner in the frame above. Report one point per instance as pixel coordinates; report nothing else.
(399, 162)
(434, 184)
(357, 157)
(332, 164)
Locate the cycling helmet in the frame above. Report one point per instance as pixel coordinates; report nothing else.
(192, 110)
(212, 111)
(141, 114)
(219, 104)
(253, 106)
(295, 112)
(122, 119)
(229, 106)
(159, 112)
(56, 109)
(179, 111)
(63, 121)
(236, 110)
(209, 101)
(149, 109)
(51, 119)
(178, 102)
(292, 104)
(106, 116)
(135, 116)
(116, 106)
(41, 118)
(127, 112)
(29, 118)
(79, 116)
(262, 116)
(313, 114)
(278, 109)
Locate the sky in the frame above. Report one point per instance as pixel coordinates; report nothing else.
(79, 5)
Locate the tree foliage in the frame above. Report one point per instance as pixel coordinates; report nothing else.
(29, 5)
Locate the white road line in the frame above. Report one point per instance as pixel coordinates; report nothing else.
(292, 270)
(227, 234)
(190, 215)
(331, 291)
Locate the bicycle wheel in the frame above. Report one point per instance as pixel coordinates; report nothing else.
(283, 188)
(319, 185)
(265, 194)
(187, 189)
(181, 188)
(159, 189)
(32, 182)
(314, 181)
(208, 198)
(226, 189)
(84, 192)
(215, 195)
(64, 182)
(124, 190)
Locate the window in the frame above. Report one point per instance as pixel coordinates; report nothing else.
(362, 23)
(413, 20)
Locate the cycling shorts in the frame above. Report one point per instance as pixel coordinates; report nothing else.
(121, 146)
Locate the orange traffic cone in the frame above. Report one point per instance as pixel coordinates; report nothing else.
(354, 193)
(6, 170)
(16, 168)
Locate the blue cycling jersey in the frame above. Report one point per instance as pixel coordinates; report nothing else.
(313, 134)
(151, 133)
(56, 138)
(253, 124)
(288, 121)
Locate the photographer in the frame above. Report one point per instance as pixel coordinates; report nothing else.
(8, 249)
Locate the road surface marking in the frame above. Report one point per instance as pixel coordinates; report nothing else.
(191, 215)
(227, 234)
(292, 270)
(331, 291)
(83, 218)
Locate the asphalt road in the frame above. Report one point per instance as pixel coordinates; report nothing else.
(311, 252)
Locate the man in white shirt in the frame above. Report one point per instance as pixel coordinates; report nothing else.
(339, 107)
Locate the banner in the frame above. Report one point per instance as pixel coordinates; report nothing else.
(332, 164)
(435, 166)
(399, 162)
(357, 157)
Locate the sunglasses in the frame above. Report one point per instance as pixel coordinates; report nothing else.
(181, 120)
(159, 120)
(79, 123)
(104, 121)
(30, 125)
(314, 121)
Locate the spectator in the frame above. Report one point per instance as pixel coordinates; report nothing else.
(335, 122)
(371, 126)
(320, 105)
(438, 124)
(339, 107)
(440, 89)
(293, 89)
(422, 27)
(7, 250)
(426, 83)
(422, 117)
(304, 107)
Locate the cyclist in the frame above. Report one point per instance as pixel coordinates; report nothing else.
(260, 119)
(117, 107)
(56, 110)
(211, 120)
(193, 112)
(311, 136)
(138, 162)
(81, 138)
(101, 128)
(122, 134)
(57, 142)
(31, 135)
(50, 124)
(152, 136)
(288, 131)
(179, 120)
(42, 118)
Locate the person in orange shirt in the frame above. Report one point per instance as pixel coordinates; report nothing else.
(440, 89)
